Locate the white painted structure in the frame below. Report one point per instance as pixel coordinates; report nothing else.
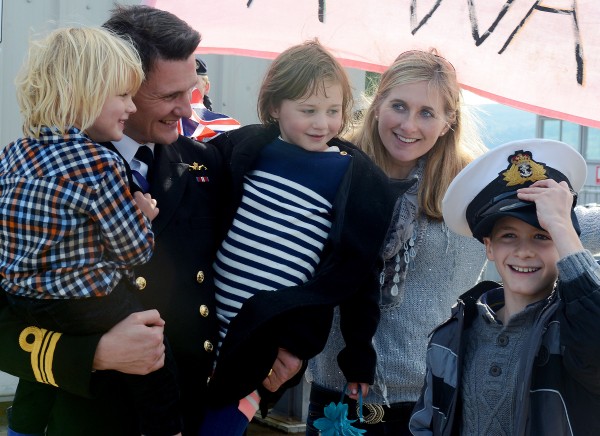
(8, 383)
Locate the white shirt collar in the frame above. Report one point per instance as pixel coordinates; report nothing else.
(128, 147)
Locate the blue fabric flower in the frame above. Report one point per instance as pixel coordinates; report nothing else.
(336, 422)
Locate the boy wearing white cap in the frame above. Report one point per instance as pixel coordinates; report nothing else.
(521, 358)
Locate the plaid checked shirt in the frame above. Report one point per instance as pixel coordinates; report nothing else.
(68, 224)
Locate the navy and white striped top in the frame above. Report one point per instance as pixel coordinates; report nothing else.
(281, 225)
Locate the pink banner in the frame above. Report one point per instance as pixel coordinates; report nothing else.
(540, 56)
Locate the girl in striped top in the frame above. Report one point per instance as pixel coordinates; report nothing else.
(297, 184)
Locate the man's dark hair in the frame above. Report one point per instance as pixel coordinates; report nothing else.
(155, 33)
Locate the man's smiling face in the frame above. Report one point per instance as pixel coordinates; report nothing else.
(161, 101)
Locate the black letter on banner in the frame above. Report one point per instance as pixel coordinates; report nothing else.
(413, 15)
(475, 25)
(578, 48)
(321, 11)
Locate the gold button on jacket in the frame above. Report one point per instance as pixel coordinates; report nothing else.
(208, 346)
(200, 276)
(140, 282)
(204, 311)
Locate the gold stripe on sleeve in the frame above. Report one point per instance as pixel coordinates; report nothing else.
(42, 350)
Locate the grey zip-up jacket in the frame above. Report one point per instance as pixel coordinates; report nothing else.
(559, 382)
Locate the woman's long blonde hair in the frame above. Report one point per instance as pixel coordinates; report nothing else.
(69, 75)
(452, 151)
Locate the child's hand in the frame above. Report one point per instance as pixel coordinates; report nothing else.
(353, 388)
(146, 203)
(553, 202)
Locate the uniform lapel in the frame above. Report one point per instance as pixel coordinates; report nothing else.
(170, 177)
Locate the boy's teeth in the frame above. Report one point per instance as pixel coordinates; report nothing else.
(524, 270)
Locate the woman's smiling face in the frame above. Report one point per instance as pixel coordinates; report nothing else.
(410, 121)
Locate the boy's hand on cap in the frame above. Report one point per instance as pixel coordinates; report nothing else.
(553, 203)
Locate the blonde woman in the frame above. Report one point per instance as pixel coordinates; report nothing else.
(414, 128)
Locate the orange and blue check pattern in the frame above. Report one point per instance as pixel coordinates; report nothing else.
(68, 225)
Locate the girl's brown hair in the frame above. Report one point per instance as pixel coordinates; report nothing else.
(301, 71)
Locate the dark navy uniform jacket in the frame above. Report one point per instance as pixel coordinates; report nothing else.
(188, 182)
